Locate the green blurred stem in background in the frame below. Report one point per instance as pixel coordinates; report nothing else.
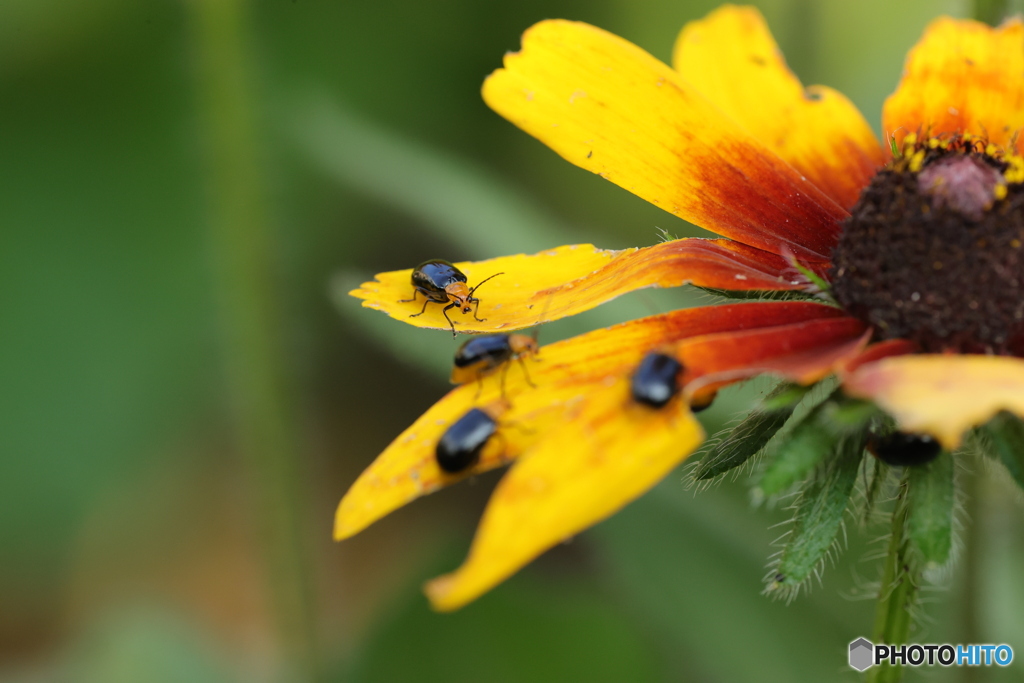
(992, 12)
(252, 319)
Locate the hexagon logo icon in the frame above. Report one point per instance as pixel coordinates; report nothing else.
(862, 653)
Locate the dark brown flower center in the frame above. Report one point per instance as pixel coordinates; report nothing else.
(934, 251)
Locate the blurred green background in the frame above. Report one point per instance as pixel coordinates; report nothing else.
(187, 189)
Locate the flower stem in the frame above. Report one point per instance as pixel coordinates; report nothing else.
(251, 318)
(991, 12)
(972, 554)
(896, 595)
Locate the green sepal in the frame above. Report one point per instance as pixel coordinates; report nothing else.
(896, 153)
(930, 498)
(796, 457)
(812, 277)
(760, 294)
(752, 434)
(819, 515)
(877, 472)
(812, 441)
(1005, 443)
(743, 442)
(785, 396)
(849, 415)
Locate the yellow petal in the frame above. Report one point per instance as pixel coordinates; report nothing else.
(965, 77)
(610, 452)
(569, 280)
(732, 59)
(609, 107)
(563, 373)
(942, 395)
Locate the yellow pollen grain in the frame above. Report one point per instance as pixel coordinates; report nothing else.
(937, 265)
(1000, 192)
(917, 161)
(991, 150)
(1015, 170)
(934, 143)
(1015, 244)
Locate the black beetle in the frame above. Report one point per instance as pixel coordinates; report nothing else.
(481, 355)
(902, 449)
(656, 380)
(459, 447)
(442, 283)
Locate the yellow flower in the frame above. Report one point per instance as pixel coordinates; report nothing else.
(917, 244)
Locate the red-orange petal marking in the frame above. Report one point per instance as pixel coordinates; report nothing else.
(941, 395)
(731, 57)
(563, 373)
(884, 349)
(609, 107)
(803, 352)
(569, 280)
(962, 77)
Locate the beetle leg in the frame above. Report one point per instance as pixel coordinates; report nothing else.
(408, 301)
(504, 445)
(445, 311)
(414, 315)
(476, 311)
(504, 371)
(526, 374)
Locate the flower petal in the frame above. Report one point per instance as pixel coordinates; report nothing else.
(803, 352)
(572, 279)
(563, 373)
(732, 59)
(605, 455)
(962, 76)
(884, 349)
(609, 107)
(942, 395)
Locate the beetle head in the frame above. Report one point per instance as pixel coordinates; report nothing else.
(459, 294)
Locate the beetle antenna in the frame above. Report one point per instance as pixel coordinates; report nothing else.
(483, 281)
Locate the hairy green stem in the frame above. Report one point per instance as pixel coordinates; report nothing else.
(896, 594)
(972, 569)
(251, 319)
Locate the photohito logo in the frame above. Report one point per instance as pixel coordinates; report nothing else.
(864, 654)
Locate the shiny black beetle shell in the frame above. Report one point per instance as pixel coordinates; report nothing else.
(656, 380)
(432, 277)
(460, 445)
(488, 350)
(904, 450)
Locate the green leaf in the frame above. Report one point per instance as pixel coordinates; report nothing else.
(930, 510)
(819, 514)
(1005, 434)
